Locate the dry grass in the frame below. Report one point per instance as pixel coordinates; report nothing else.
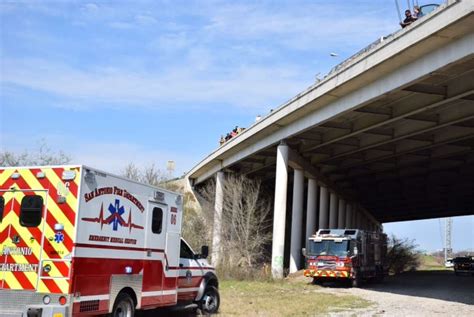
(431, 263)
(281, 298)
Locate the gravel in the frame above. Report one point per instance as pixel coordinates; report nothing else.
(425, 293)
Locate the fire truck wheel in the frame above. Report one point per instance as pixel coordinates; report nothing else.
(317, 281)
(123, 306)
(379, 276)
(356, 281)
(210, 301)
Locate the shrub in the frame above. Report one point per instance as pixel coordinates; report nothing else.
(402, 255)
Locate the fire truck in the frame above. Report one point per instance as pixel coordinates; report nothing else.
(77, 241)
(348, 255)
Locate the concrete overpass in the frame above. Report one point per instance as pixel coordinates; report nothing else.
(387, 135)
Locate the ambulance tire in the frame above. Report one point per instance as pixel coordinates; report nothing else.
(210, 301)
(123, 306)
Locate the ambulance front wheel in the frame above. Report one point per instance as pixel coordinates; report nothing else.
(210, 301)
(123, 306)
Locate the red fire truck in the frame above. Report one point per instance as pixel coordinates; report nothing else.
(77, 241)
(350, 255)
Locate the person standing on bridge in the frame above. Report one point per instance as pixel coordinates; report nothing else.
(417, 12)
(409, 19)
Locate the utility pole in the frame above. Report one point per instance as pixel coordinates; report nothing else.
(447, 245)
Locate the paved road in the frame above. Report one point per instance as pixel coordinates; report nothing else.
(424, 293)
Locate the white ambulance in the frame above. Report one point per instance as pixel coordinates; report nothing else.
(76, 241)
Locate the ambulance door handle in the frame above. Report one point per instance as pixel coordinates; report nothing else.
(181, 265)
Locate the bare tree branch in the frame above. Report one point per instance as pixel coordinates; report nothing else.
(42, 156)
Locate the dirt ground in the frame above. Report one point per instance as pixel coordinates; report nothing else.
(422, 293)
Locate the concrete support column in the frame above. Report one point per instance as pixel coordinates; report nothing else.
(341, 216)
(333, 211)
(311, 208)
(217, 228)
(279, 211)
(354, 216)
(296, 221)
(349, 216)
(324, 208)
(359, 219)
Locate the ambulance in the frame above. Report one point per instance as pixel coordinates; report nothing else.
(77, 241)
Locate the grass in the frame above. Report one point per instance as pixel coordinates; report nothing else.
(282, 298)
(431, 263)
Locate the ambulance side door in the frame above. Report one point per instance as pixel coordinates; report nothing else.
(155, 242)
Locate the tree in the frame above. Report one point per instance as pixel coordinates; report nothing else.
(245, 222)
(402, 255)
(42, 156)
(148, 174)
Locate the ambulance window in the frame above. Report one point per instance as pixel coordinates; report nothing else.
(30, 211)
(185, 251)
(2, 206)
(157, 220)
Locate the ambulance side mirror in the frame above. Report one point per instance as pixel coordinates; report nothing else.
(204, 252)
(303, 251)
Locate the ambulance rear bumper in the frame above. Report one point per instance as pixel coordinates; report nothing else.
(19, 303)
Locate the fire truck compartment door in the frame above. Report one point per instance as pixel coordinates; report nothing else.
(22, 227)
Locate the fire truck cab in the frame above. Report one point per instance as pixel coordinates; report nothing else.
(350, 255)
(76, 241)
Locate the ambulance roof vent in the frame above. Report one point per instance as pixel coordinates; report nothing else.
(68, 175)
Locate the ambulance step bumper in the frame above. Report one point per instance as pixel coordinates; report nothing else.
(18, 302)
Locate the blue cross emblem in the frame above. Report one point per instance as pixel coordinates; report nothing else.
(116, 215)
(58, 237)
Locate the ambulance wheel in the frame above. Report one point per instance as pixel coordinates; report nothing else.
(210, 301)
(123, 306)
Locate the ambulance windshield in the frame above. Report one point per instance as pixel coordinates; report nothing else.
(328, 247)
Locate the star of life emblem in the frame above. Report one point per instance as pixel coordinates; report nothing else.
(59, 237)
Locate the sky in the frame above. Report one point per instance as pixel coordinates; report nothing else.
(114, 82)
